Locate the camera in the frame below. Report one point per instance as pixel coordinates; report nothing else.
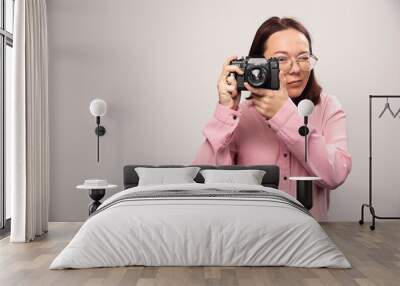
(258, 72)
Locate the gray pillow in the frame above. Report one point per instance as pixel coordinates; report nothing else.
(249, 177)
(162, 176)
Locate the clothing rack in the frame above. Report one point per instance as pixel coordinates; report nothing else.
(370, 206)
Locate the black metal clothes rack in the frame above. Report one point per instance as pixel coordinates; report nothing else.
(370, 206)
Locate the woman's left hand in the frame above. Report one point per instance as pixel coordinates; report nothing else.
(267, 101)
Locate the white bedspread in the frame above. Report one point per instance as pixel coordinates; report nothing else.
(200, 231)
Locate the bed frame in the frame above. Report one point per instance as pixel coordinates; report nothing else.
(270, 179)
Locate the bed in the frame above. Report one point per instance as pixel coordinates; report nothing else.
(201, 224)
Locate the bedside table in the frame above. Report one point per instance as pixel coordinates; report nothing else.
(304, 190)
(97, 190)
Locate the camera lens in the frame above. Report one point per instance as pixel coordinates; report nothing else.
(256, 76)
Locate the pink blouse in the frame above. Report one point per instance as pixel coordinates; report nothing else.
(245, 137)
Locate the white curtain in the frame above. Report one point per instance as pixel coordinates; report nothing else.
(27, 130)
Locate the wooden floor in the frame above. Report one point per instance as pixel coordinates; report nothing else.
(374, 255)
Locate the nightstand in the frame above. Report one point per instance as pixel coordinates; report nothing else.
(97, 190)
(304, 190)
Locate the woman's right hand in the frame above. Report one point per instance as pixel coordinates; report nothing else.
(227, 85)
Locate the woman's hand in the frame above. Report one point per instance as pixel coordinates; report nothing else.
(267, 101)
(227, 85)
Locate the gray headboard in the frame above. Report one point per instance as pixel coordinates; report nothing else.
(271, 177)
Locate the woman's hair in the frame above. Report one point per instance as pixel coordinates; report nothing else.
(312, 90)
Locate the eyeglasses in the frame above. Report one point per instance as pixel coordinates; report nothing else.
(305, 62)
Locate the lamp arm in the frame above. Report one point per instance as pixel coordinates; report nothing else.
(305, 138)
(98, 145)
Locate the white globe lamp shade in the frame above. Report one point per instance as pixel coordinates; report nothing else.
(98, 107)
(305, 107)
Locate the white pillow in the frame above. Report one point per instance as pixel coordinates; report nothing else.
(162, 176)
(249, 177)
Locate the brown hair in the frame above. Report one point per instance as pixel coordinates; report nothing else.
(312, 90)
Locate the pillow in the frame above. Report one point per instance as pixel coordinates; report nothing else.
(249, 177)
(162, 176)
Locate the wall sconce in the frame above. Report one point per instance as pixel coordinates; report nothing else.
(305, 108)
(98, 108)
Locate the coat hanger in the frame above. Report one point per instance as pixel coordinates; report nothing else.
(398, 111)
(387, 107)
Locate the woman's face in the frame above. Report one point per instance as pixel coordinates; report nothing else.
(291, 44)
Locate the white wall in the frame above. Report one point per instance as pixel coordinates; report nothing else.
(156, 64)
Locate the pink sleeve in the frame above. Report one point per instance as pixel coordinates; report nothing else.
(218, 148)
(328, 157)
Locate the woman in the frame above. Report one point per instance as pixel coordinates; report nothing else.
(264, 129)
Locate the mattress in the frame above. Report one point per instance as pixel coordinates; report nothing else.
(201, 225)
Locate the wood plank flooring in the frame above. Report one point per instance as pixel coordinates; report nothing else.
(374, 255)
